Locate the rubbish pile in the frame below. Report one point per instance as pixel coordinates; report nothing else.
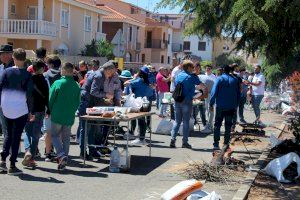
(286, 168)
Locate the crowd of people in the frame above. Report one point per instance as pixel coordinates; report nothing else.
(43, 99)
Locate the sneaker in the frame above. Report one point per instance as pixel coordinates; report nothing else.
(172, 144)
(216, 147)
(186, 145)
(14, 171)
(3, 166)
(31, 164)
(195, 127)
(50, 157)
(62, 163)
(138, 141)
(130, 136)
(26, 159)
(207, 129)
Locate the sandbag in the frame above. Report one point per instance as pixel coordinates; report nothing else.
(276, 167)
(182, 190)
(164, 127)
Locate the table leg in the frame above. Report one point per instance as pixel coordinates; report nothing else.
(114, 132)
(85, 142)
(127, 138)
(150, 136)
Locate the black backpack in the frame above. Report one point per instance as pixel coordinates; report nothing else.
(178, 93)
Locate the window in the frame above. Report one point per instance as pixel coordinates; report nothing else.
(13, 9)
(143, 58)
(87, 23)
(169, 38)
(32, 13)
(169, 59)
(162, 59)
(132, 10)
(130, 33)
(186, 45)
(64, 18)
(202, 46)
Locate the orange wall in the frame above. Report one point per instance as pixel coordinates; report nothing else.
(25, 44)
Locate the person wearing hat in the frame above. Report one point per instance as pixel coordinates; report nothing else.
(226, 95)
(125, 76)
(6, 61)
(102, 88)
(141, 87)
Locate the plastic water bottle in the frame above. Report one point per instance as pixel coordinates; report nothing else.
(114, 161)
(125, 160)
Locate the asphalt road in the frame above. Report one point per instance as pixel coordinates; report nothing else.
(148, 179)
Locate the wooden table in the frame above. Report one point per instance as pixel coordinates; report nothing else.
(99, 121)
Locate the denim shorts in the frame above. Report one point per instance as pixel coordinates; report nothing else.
(46, 125)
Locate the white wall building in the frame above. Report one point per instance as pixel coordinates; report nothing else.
(201, 48)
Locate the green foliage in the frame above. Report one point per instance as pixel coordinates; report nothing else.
(205, 62)
(271, 27)
(100, 48)
(105, 49)
(227, 59)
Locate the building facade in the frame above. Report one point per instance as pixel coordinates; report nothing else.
(61, 26)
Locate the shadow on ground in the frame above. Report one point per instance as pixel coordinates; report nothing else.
(142, 165)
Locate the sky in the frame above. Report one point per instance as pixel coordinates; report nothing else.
(150, 5)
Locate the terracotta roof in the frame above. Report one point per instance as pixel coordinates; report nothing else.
(154, 22)
(115, 15)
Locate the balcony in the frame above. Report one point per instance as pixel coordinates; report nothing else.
(27, 29)
(156, 44)
(100, 36)
(176, 47)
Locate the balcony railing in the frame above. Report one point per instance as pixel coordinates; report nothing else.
(27, 27)
(156, 44)
(176, 47)
(100, 36)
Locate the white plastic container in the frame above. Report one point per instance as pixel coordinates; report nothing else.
(114, 161)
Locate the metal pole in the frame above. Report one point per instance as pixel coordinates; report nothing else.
(85, 142)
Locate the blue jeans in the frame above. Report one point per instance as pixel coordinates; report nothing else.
(220, 116)
(3, 123)
(183, 113)
(256, 100)
(60, 135)
(163, 107)
(33, 133)
(241, 106)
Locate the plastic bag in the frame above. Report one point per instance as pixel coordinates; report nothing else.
(164, 127)
(276, 167)
(202, 195)
(182, 190)
(286, 109)
(192, 121)
(133, 102)
(274, 141)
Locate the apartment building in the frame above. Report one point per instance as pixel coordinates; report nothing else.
(195, 46)
(153, 37)
(61, 26)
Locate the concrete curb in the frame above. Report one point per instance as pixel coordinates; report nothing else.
(244, 189)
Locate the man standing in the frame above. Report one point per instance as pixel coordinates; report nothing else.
(208, 79)
(162, 88)
(226, 95)
(258, 90)
(5, 62)
(183, 110)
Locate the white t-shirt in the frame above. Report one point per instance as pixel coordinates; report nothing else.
(258, 90)
(174, 73)
(211, 76)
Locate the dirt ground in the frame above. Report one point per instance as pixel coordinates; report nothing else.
(266, 187)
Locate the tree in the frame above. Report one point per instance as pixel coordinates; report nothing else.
(227, 59)
(101, 48)
(105, 49)
(268, 26)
